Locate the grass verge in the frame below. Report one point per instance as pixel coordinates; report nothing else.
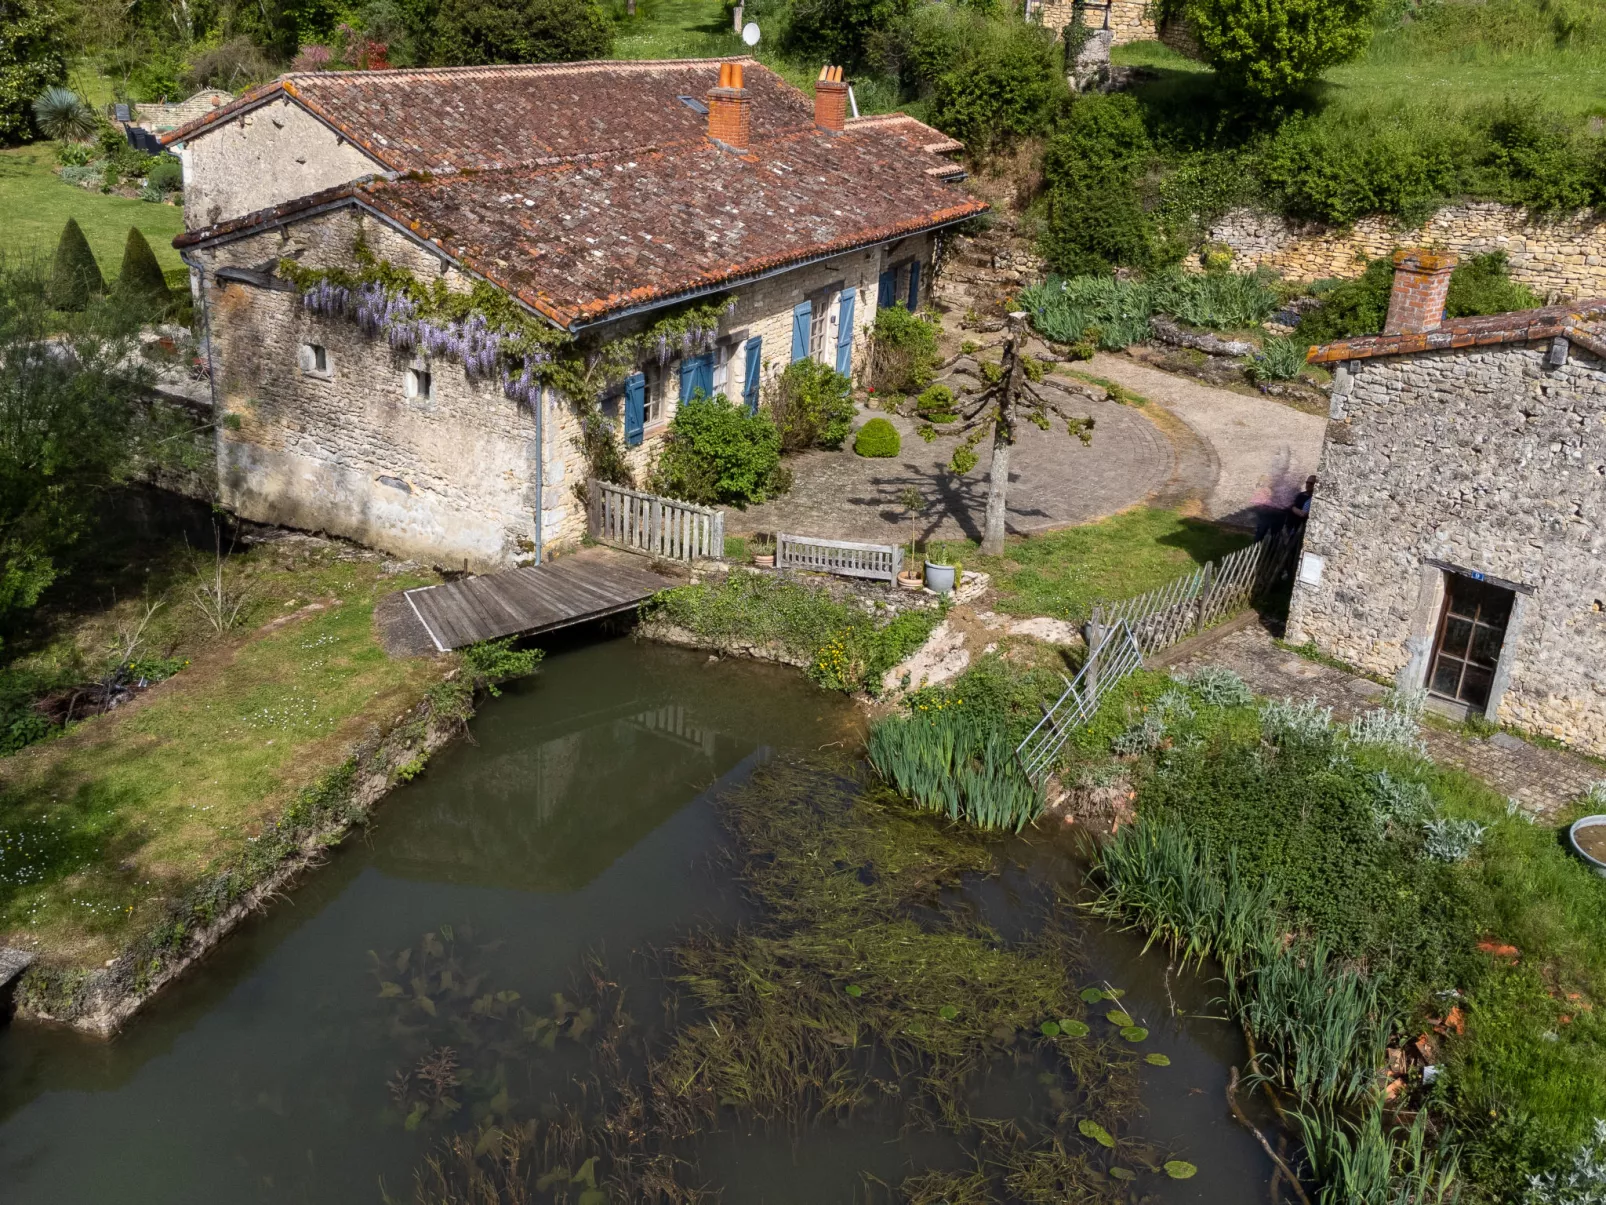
(37, 204)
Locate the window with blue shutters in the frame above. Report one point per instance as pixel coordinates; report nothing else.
(802, 322)
(635, 407)
(753, 362)
(697, 376)
(887, 289)
(914, 286)
(844, 333)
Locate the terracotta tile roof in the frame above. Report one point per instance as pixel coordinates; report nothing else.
(1573, 319)
(479, 118)
(583, 239)
(916, 133)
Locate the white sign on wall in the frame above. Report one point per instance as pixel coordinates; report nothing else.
(1310, 569)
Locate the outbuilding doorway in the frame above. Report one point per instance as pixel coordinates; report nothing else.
(1467, 648)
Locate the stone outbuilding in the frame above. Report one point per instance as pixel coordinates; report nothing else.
(1455, 541)
(367, 247)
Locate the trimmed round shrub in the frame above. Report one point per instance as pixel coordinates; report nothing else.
(936, 405)
(877, 437)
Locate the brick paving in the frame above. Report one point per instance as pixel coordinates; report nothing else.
(1543, 781)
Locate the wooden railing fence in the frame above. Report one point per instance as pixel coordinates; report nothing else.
(879, 562)
(1195, 601)
(657, 526)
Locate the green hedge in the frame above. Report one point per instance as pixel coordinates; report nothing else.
(877, 437)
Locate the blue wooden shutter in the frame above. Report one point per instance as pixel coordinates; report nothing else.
(688, 378)
(702, 379)
(887, 292)
(844, 334)
(753, 365)
(802, 316)
(635, 407)
(914, 286)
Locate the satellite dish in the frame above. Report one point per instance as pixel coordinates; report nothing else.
(750, 33)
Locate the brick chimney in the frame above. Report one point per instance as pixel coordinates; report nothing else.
(1421, 283)
(831, 100)
(730, 116)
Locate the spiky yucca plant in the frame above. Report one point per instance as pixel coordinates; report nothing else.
(64, 115)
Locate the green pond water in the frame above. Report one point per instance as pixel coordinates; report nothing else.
(580, 827)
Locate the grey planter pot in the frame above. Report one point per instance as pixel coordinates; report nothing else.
(940, 578)
(1578, 826)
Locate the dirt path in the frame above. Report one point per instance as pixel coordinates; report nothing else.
(1264, 450)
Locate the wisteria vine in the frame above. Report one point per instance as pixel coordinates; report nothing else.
(384, 303)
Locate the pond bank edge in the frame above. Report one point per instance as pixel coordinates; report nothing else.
(101, 1001)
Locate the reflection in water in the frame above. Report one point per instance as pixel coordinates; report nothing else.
(577, 825)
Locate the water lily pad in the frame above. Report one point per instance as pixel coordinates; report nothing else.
(947, 1012)
(1122, 1173)
(1180, 1169)
(1093, 1130)
(1157, 1060)
(1116, 1017)
(1092, 995)
(854, 990)
(1134, 1033)
(1073, 1029)
(1050, 1029)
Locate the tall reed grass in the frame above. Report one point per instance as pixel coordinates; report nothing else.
(1069, 309)
(958, 761)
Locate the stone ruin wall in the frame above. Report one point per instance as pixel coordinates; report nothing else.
(1129, 20)
(1488, 461)
(1560, 259)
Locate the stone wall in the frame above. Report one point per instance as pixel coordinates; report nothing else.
(1486, 461)
(1127, 20)
(269, 155)
(449, 480)
(1564, 258)
(158, 118)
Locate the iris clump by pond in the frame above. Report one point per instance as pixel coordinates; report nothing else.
(864, 987)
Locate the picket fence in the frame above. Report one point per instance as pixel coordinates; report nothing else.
(845, 558)
(655, 525)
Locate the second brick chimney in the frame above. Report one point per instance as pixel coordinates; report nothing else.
(730, 117)
(1421, 284)
(831, 100)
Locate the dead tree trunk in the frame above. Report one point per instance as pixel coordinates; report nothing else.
(992, 540)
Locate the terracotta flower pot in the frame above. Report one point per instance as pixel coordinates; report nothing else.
(764, 560)
(910, 581)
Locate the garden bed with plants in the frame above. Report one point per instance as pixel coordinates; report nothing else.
(1416, 965)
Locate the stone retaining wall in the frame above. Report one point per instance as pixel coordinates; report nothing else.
(1560, 258)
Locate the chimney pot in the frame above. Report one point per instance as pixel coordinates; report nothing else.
(831, 100)
(1421, 284)
(730, 117)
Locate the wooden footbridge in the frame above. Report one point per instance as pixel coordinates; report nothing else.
(586, 585)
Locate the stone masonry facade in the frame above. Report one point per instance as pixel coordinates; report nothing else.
(1483, 461)
(1561, 258)
(1127, 20)
(451, 479)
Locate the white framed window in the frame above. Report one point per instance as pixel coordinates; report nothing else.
(723, 352)
(315, 361)
(653, 410)
(419, 384)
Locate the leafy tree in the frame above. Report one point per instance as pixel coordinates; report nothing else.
(474, 32)
(1272, 48)
(838, 31)
(70, 425)
(811, 406)
(141, 279)
(33, 56)
(1002, 88)
(76, 276)
(1091, 169)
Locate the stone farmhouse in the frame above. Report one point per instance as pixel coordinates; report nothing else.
(1456, 537)
(596, 198)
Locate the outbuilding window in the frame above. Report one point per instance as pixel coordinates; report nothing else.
(315, 360)
(420, 384)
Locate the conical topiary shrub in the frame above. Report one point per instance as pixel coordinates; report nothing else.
(141, 276)
(76, 275)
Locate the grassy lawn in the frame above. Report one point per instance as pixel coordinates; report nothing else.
(1433, 66)
(103, 825)
(37, 204)
(1063, 573)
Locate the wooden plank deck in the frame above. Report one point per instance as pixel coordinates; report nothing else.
(585, 585)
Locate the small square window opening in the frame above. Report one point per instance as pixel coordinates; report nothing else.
(419, 384)
(315, 359)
